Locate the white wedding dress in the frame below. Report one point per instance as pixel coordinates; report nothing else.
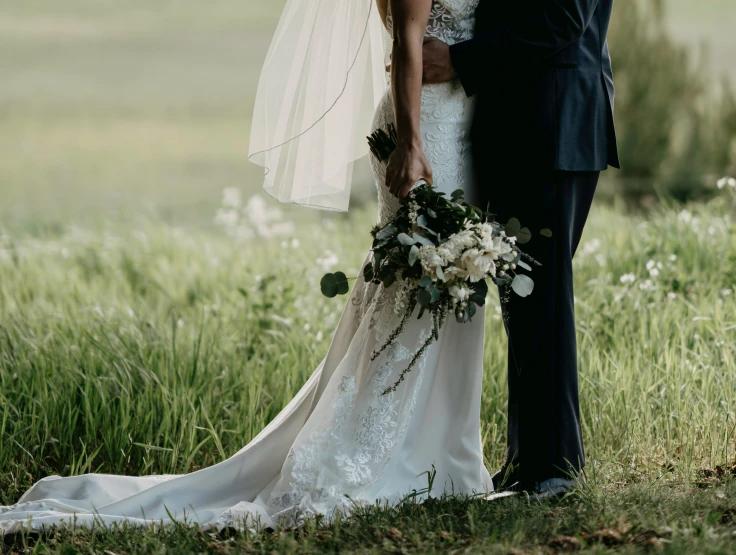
(339, 441)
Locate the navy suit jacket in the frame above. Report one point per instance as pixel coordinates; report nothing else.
(542, 74)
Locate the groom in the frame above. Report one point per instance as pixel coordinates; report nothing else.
(543, 131)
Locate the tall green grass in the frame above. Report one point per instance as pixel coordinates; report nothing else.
(151, 349)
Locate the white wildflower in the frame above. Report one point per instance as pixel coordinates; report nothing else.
(231, 197)
(628, 278)
(647, 285)
(726, 182)
(671, 295)
(591, 247)
(328, 260)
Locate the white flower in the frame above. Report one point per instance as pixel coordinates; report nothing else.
(651, 264)
(654, 272)
(647, 285)
(497, 248)
(227, 218)
(628, 278)
(460, 293)
(671, 295)
(231, 197)
(432, 262)
(726, 181)
(453, 272)
(455, 245)
(470, 255)
(327, 260)
(673, 257)
(591, 247)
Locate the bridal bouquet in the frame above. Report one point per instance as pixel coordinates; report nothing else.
(442, 251)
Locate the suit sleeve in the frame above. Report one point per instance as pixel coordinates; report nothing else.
(537, 32)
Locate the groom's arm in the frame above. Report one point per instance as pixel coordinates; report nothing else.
(538, 32)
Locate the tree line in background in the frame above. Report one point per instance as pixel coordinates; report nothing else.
(676, 124)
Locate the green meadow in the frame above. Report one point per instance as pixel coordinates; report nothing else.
(138, 335)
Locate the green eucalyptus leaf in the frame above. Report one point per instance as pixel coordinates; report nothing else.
(434, 294)
(368, 272)
(513, 226)
(377, 258)
(342, 283)
(522, 285)
(422, 240)
(522, 264)
(431, 213)
(524, 236)
(471, 310)
(386, 232)
(424, 298)
(413, 255)
(425, 282)
(546, 233)
(328, 285)
(404, 239)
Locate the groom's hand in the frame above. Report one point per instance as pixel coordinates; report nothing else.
(406, 166)
(437, 64)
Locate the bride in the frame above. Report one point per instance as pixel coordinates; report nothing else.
(339, 441)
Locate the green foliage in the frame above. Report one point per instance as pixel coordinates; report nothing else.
(677, 131)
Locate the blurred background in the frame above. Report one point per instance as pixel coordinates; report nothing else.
(142, 106)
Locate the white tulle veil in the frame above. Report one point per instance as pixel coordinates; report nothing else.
(322, 79)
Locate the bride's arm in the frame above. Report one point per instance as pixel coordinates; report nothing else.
(407, 164)
(383, 10)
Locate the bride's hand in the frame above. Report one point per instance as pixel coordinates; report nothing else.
(406, 166)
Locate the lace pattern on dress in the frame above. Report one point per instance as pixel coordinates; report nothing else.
(357, 443)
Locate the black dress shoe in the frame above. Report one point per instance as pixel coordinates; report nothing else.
(554, 488)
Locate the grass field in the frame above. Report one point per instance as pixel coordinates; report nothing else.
(130, 348)
(127, 346)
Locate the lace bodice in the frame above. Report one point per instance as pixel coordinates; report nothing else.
(451, 21)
